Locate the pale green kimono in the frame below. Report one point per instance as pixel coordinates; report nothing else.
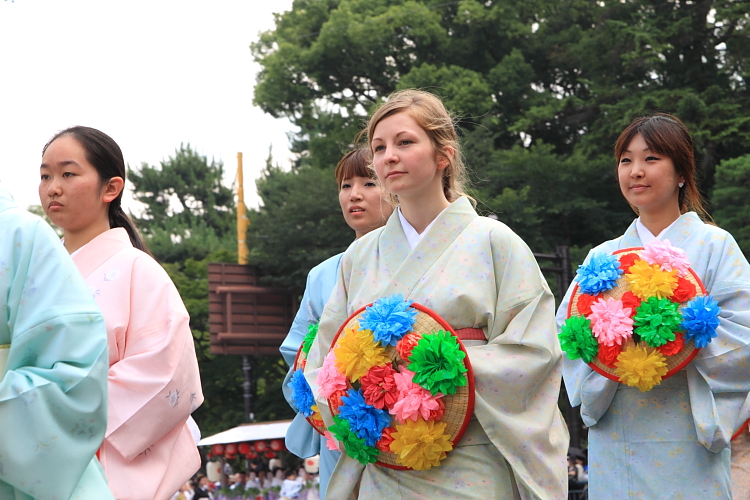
(53, 392)
(475, 273)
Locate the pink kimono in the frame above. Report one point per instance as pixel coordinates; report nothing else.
(154, 385)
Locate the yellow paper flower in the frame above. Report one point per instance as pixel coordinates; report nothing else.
(646, 280)
(357, 352)
(316, 416)
(637, 367)
(420, 445)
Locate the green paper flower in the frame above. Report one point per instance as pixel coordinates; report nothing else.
(438, 363)
(355, 446)
(656, 320)
(307, 342)
(577, 340)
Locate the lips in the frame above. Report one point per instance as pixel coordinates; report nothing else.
(53, 205)
(394, 173)
(356, 209)
(638, 187)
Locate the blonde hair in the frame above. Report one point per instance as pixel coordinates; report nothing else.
(430, 114)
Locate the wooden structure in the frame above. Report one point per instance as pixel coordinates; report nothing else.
(244, 318)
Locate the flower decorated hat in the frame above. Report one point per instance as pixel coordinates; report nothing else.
(639, 315)
(302, 395)
(399, 384)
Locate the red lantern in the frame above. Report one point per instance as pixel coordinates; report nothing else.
(209, 455)
(270, 454)
(231, 449)
(277, 445)
(244, 448)
(251, 455)
(261, 446)
(218, 449)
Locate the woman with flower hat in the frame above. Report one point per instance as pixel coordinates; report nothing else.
(364, 208)
(481, 279)
(651, 436)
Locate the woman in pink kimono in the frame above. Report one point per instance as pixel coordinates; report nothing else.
(154, 385)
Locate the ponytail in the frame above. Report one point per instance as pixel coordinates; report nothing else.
(118, 218)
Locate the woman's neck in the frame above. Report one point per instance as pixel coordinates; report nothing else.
(421, 212)
(76, 239)
(656, 223)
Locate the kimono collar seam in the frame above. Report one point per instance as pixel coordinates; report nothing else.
(99, 250)
(677, 233)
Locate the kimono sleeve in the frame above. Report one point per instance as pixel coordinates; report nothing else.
(53, 395)
(156, 384)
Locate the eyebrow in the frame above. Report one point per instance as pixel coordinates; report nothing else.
(629, 151)
(63, 163)
(398, 134)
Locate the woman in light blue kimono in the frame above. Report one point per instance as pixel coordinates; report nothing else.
(365, 208)
(53, 367)
(673, 441)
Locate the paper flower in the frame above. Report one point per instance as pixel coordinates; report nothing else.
(648, 280)
(331, 443)
(584, 303)
(366, 421)
(577, 340)
(355, 446)
(334, 400)
(610, 322)
(608, 354)
(406, 344)
(379, 387)
(414, 400)
(638, 368)
(316, 416)
(631, 302)
(700, 319)
(685, 291)
(307, 342)
(627, 260)
(673, 347)
(420, 445)
(656, 320)
(666, 256)
(389, 319)
(357, 352)
(438, 363)
(384, 444)
(599, 274)
(329, 378)
(301, 393)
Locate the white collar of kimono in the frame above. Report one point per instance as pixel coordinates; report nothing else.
(647, 236)
(412, 236)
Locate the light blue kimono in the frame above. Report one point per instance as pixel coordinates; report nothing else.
(301, 438)
(673, 441)
(53, 393)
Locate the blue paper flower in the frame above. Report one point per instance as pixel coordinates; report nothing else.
(301, 393)
(700, 319)
(389, 319)
(599, 274)
(366, 421)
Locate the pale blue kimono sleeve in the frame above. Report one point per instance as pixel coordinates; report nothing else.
(53, 395)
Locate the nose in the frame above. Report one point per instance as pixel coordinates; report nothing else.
(355, 193)
(390, 155)
(53, 187)
(636, 171)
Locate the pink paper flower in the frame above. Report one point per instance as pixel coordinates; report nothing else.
(414, 400)
(666, 256)
(331, 443)
(329, 378)
(610, 321)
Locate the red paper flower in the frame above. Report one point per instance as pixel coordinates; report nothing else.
(379, 387)
(685, 291)
(608, 354)
(384, 443)
(584, 303)
(406, 344)
(673, 347)
(631, 301)
(628, 260)
(335, 399)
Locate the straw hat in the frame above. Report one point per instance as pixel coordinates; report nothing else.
(299, 364)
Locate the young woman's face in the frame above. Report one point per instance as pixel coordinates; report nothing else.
(405, 159)
(70, 190)
(363, 204)
(648, 180)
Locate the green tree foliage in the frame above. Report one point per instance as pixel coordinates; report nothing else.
(189, 212)
(542, 89)
(730, 197)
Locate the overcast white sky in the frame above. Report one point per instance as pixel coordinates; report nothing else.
(151, 74)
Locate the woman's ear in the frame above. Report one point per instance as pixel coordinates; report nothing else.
(445, 157)
(112, 189)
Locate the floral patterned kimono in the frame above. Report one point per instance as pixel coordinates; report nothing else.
(475, 273)
(673, 441)
(154, 384)
(53, 385)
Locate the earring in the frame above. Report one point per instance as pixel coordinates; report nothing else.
(681, 184)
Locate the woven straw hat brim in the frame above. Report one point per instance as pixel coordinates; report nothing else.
(676, 362)
(459, 407)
